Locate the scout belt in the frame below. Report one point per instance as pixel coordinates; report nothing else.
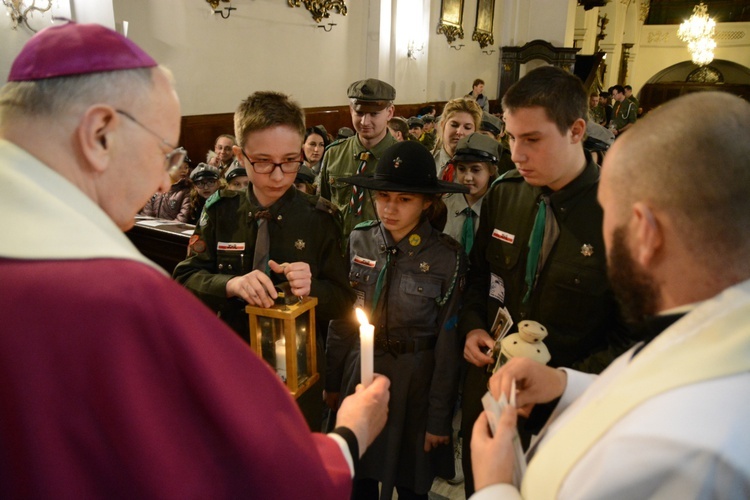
(406, 346)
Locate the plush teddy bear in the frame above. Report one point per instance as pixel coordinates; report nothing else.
(527, 343)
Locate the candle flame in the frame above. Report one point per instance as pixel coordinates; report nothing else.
(361, 317)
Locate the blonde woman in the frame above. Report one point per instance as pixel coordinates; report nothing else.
(460, 118)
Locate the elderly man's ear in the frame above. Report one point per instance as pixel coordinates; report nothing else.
(96, 135)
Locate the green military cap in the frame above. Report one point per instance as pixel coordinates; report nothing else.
(370, 95)
(344, 133)
(236, 170)
(205, 171)
(416, 122)
(491, 123)
(477, 147)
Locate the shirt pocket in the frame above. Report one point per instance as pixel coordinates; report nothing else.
(418, 304)
(578, 293)
(230, 262)
(502, 255)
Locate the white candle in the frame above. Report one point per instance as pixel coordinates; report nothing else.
(281, 358)
(366, 341)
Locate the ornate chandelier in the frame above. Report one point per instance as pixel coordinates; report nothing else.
(19, 12)
(698, 32)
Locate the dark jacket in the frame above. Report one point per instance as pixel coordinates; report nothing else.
(172, 205)
(303, 228)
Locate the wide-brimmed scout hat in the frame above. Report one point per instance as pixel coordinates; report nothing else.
(477, 147)
(406, 167)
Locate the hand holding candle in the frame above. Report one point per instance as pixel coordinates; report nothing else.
(366, 341)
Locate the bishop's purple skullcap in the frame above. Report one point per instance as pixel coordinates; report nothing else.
(76, 49)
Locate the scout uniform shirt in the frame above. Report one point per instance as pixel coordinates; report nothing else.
(457, 205)
(623, 113)
(420, 353)
(302, 228)
(342, 159)
(572, 297)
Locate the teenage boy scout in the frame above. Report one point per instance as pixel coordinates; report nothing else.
(371, 106)
(561, 281)
(249, 241)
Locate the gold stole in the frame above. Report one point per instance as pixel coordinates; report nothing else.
(679, 357)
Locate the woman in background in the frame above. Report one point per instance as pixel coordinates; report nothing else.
(175, 203)
(316, 141)
(460, 118)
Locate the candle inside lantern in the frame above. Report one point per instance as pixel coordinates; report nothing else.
(281, 358)
(366, 341)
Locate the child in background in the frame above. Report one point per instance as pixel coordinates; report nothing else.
(205, 179)
(175, 203)
(408, 277)
(236, 177)
(475, 163)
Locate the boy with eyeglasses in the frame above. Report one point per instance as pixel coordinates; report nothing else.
(248, 242)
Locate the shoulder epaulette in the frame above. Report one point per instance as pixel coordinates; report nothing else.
(510, 175)
(335, 143)
(451, 242)
(366, 224)
(218, 195)
(325, 205)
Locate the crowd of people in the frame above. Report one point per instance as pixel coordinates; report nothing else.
(137, 385)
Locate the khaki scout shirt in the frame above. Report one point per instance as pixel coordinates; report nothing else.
(623, 113)
(341, 159)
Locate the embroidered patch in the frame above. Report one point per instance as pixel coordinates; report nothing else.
(299, 244)
(587, 250)
(415, 240)
(204, 219)
(503, 236)
(363, 262)
(196, 244)
(497, 287)
(230, 246)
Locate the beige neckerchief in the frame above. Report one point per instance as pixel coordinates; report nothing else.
(711, 342)
(48, 218)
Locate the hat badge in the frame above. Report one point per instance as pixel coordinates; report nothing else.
(396, 162)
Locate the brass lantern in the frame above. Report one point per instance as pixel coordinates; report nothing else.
(284, 336)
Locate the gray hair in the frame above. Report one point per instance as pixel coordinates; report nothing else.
(53, 96)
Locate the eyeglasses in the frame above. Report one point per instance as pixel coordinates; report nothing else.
(175, 157)
(206, 183)
(266, 167)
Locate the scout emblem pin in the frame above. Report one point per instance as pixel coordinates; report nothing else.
(396, 162)
(424, 267)
(587, 250)
(299, 244)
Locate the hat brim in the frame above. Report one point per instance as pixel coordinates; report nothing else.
(363, 106)
(383, 184)
(474, 155)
